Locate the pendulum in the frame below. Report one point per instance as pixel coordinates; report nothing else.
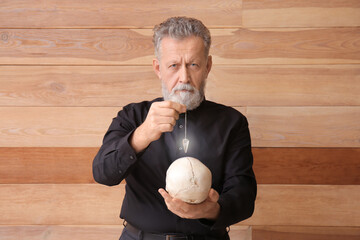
(185, 141)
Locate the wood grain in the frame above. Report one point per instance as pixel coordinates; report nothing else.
(77, 85)
(304, 126)
(338, 166)
(115, 14)
(60, 204)
(143, 14)
(233, 85)
(46, 165)
(286, 46)
(306, 13)
(307, 165)
(93, 204)
(54, 127)
(91, 232)
(134, 46)
(269, 126)
(304, 233)
(306, 205)
(55, 232)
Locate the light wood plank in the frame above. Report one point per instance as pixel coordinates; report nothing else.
(339, 166)
(307, 205)
(55, 232)
(285, 85)
(134, 46)
(60, 204)
(91, 232)
(304, 126)
(93, 204)
(304, 233)
(286, 46)
(77, 85)
(54, 127)
(234, 85)
(305, 13)
(269, 126)
(115, 14)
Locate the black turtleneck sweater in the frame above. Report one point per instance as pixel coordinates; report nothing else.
(219, 137)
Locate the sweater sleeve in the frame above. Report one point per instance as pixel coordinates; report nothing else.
(237, 198)
(116, 156)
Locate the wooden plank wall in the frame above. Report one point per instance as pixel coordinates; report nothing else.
(292, 67)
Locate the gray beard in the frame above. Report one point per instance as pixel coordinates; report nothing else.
(190, 99)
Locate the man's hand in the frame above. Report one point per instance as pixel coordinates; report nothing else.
(162, 117)
(208, 209)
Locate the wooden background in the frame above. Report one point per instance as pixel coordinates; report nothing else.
(67, 67)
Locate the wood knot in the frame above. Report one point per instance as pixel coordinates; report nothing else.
(57, 87)
(4, 36)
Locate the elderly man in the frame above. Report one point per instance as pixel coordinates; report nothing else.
(145, 138)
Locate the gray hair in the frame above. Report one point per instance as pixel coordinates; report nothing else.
(180, 28)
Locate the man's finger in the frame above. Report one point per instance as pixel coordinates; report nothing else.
(164, 194)
(180, 108)
(213, 195)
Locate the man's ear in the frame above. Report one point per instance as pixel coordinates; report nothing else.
(209, 64)
(156, 67)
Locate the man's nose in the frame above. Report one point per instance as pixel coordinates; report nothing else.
(184, 75)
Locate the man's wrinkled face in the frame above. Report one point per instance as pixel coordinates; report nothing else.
(183, 69)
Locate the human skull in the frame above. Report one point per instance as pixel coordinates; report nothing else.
(188, 179)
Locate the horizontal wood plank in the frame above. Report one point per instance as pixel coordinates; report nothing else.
(115, 14)
(305, 13)
(304, 233)
(269, 126)
(91, 232)
(307, 165)
(339, 166)
(111, 232)
(143, 14)
(306, 205)
(304, 126)
(93, 204)
(60, 204)
(46, 165)
(134, 46)
(54, 127)
(233, 85)
(56, 232)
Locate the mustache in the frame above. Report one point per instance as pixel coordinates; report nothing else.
(183, 86)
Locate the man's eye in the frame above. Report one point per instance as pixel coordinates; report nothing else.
(173, 65)
(194, 65)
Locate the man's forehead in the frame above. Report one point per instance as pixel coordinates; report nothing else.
(191, 45)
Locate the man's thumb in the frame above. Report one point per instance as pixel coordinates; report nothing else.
(213, 195)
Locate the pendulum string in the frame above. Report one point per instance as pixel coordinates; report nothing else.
(185, 140)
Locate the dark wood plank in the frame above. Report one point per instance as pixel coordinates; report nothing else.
(304, 233)
(134, 46)
(233, 85)
(338, 166)
(46, 165)
(305, 13)
(307, 165)
(115, 14)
